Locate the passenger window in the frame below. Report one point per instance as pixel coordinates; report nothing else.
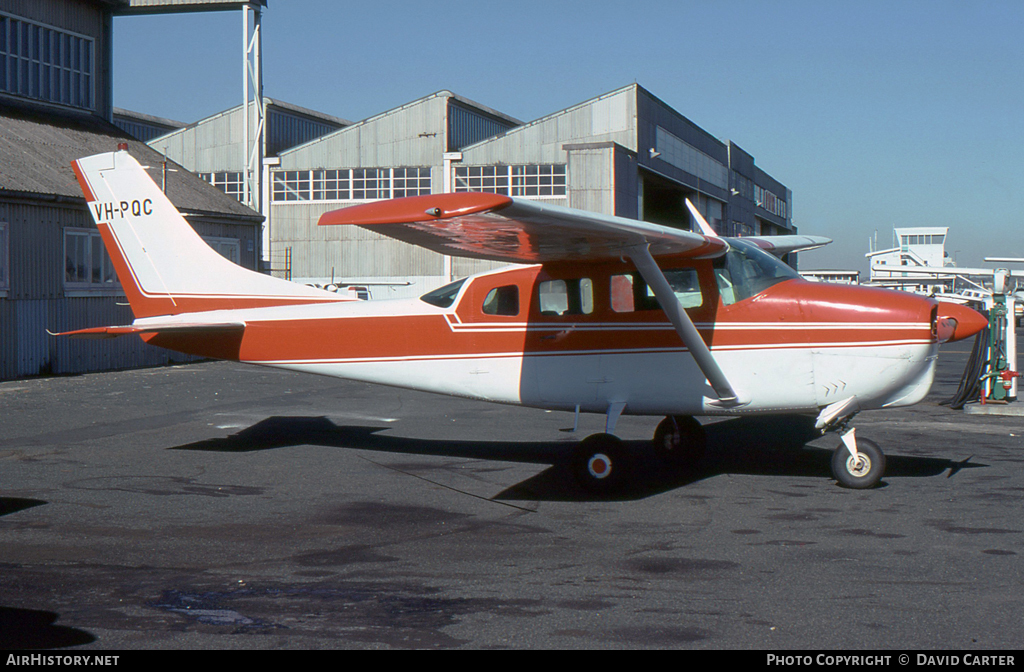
(566, 297)
(502, 301)
(630, 292)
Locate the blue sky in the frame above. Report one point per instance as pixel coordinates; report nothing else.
(875, 114)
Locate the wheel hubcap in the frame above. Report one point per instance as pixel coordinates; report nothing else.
(599, 466)
(858, 466)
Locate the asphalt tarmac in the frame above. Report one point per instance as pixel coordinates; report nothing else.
(219, 506)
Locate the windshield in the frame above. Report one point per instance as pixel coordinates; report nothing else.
(443, 297)
(746, 270)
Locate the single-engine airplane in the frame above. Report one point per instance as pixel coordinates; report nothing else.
(608, 315)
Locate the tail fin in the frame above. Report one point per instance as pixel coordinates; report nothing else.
(165, 268)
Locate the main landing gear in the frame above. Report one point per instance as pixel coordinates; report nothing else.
(680, 441)
(602, 465)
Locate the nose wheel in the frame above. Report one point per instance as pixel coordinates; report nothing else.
(858, 463)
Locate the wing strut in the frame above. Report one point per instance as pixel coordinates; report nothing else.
(655, 279)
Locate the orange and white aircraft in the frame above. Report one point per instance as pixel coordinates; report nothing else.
(608, 315)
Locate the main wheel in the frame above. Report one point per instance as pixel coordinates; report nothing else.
(863, 471)
(680, 441)
(599, 463)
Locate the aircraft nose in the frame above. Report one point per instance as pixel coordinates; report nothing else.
(956, 322)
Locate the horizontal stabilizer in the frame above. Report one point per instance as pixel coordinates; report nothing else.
(153, 328)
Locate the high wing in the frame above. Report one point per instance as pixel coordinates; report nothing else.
(513, 230)
(783, 245)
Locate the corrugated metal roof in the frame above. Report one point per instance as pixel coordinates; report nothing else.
(267, 102)
(359, 125)
(168, 6)
(148, 118)
(37, 147)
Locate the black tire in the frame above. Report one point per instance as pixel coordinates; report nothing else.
(600, 464)
(680, 441)
(864, 473)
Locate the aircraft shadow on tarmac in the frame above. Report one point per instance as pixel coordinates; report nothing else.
(22, 629)
(766, 446)
(15, 504)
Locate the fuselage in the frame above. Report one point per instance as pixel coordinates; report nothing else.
(563, 336)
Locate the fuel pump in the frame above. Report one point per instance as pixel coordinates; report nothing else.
(999, 383)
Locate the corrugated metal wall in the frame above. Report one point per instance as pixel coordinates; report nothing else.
(36, 301)
(26, 349)
(80, 17)
(412, 135)
(212, 146)
(466, 127)
(347, 250)
(285, 129)
(610, 118)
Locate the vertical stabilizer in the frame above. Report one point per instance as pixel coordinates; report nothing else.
(164, 266)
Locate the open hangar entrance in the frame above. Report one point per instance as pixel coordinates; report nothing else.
(663, 201)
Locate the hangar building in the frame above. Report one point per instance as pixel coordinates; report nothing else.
(212, 147)
(56, 106)
(625, 153)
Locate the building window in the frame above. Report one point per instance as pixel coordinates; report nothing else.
(292, 185)
(37, 61)
(489, 179)
(411, 182)
(770, 202)
(230, 183)
(737, 229)
(538, 180)
(229, 248)
(86, 263)
(370, 184)
(5, 263)
(533, 180)
(350, 184)
(332, 185)
(923, 239)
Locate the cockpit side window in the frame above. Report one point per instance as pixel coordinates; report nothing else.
(745, 270)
